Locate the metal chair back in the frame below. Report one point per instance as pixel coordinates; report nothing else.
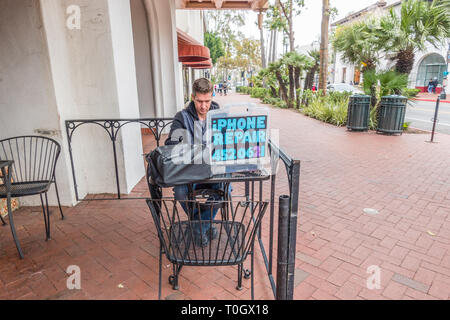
(34, 158)
(180, 232)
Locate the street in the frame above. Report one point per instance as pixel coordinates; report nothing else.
(421, 113)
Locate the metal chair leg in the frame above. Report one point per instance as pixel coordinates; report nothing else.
(3, 221)
(173, 279)
(47, 231)
(13, 229)
(45, 215)
(59, 203)
(160, 269)
(252, 272)
(240, 270)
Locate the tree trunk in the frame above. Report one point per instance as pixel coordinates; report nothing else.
(283, 89)
(291, 27)
(269, 50)
(309, 81)
(324, 46)
(263, 49)
(297, 73)
(405, 61)
(291, 86)
(274, 45)
(274, 92)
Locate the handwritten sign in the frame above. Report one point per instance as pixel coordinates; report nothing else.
(238, 138)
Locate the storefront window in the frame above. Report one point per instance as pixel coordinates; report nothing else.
(432, 66)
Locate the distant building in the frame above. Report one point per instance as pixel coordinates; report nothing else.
(429, 63)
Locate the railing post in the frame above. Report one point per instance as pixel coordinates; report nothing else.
(293, 213)
(283, 248)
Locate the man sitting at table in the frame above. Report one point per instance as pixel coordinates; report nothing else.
(187, 125)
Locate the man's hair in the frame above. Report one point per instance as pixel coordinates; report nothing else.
(202, 86)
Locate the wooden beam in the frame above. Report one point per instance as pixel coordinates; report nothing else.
(260, 5)
(238, 5)
(218, 4)
(181, 4)
(257, 5)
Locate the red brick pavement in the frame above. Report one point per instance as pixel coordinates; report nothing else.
(406, 179)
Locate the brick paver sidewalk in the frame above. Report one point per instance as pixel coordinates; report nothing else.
(404, 178)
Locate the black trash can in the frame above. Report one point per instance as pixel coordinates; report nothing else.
(358, 113)
(391, 114)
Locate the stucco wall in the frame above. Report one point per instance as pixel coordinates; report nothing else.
(27, 94)
(143, 59)
(51, 73)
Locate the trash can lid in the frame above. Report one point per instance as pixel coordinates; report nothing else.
(394, 96)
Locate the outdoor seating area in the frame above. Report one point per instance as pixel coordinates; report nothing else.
(116, 245)
(224, 150)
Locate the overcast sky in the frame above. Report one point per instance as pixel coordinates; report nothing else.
(307, 25)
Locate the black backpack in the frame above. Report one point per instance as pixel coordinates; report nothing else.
(175, 165)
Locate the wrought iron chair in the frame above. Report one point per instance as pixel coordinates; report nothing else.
(230, 243)
(33, 172)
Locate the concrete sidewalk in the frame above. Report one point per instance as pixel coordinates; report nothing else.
(342, 173)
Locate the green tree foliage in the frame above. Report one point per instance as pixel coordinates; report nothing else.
(223, 23)
(215, 45)
(389, 82)
(359, 44)
(419, 23)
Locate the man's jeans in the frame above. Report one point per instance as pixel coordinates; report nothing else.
(181, 195)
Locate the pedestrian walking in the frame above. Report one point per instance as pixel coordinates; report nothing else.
(225, 87)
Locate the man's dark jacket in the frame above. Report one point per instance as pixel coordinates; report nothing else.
(185, 120)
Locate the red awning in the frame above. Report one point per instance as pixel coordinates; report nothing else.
(199, 65)
(190, 50)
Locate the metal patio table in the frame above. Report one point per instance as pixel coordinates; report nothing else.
(5, 167)
(228, 178)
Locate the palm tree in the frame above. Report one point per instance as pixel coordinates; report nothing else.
(312, 69)
(359, 44)
(421, 22)
(296, 63)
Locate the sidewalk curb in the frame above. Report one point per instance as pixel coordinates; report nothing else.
(430, 100)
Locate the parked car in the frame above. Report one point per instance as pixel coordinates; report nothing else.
(343, 87)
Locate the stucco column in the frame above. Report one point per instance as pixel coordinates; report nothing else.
(168, 89)
(93, 69)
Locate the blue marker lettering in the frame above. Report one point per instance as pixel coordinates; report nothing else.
(231, 125)
(222, 123)
(251, 123)
(242, 123)
(261, 122)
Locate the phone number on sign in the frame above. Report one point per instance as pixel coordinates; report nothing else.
(242, 153)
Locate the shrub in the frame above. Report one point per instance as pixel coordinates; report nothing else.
(276, 102)
(410, 93)
(406, 126)
(260, 93)
(331, 108)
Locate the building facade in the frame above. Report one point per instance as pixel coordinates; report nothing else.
(105, 59)
(430, 63)
(80, 59)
